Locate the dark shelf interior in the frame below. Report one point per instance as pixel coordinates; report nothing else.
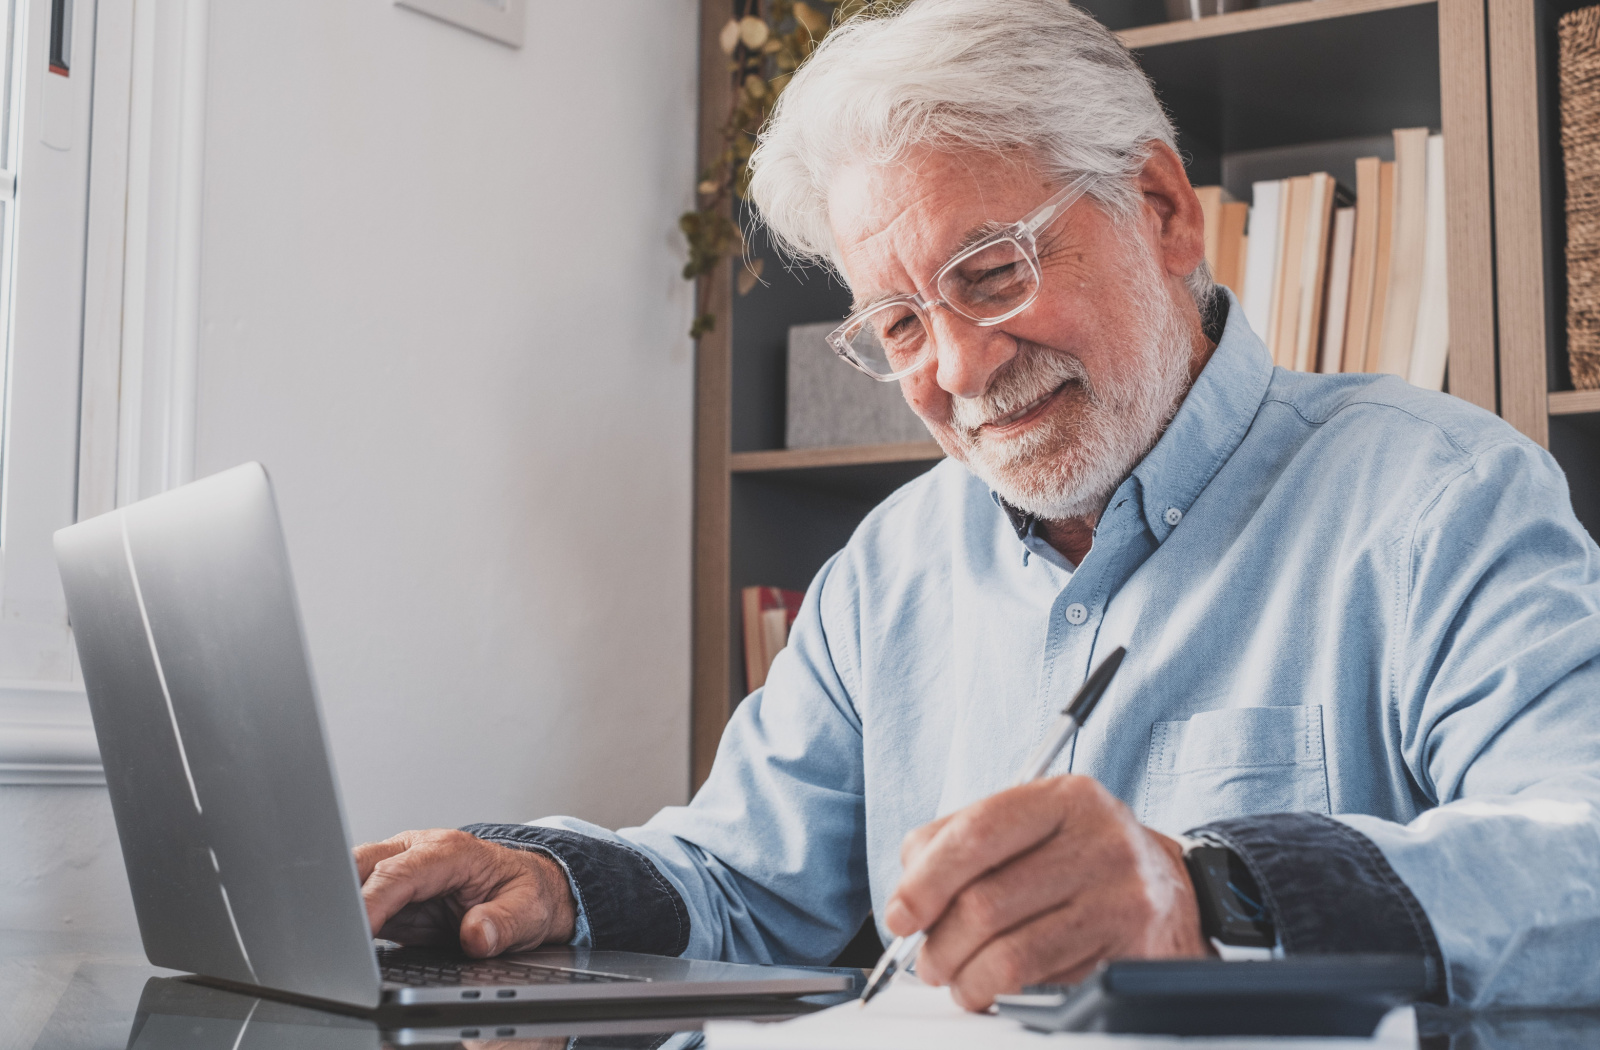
(1574, 440)
(788, 295)
(1335, 79)
(787, 523)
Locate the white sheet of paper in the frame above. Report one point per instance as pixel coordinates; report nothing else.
(910, 1015)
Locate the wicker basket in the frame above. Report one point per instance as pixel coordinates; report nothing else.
(1580, 149)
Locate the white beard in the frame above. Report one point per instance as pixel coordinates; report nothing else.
(1061, 470)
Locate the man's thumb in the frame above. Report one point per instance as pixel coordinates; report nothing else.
(514, 921)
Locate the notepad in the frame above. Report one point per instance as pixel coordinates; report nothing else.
(909, 1015)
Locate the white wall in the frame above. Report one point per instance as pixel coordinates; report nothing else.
(441, 303)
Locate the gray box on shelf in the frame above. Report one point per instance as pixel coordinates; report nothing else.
(832, 404)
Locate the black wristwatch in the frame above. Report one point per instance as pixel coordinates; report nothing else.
(1232, 911)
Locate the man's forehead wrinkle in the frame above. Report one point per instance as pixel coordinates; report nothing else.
(906, 213)
(881, 243)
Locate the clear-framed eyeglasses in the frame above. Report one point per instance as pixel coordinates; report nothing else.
(986, 283)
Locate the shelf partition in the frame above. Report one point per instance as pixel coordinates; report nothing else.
(1574, 402)
(1255, 18)
(838, 456)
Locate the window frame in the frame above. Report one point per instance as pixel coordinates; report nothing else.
(120, 366)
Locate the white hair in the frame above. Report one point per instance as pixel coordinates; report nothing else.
(1039, 76)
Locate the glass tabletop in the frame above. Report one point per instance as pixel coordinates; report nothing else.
(94, 996)
(55, 995)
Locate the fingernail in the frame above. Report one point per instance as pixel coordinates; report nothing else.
(491, 936)
(897, 916)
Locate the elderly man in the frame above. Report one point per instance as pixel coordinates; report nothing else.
(1362, 620)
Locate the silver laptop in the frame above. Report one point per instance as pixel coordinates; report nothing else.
(223, 789)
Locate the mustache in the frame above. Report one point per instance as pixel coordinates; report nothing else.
(1035, 372)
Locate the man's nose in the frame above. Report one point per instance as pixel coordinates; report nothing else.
(968, 355)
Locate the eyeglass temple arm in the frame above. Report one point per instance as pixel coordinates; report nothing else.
(1052, 208)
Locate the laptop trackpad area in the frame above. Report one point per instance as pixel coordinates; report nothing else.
(570, 973)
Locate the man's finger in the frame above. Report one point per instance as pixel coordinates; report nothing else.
(917, 839)
(430, 923)
(516, 920)
(972, 841)
(1057, 941)
(420, 873)
(1032, 884)
(369, 853)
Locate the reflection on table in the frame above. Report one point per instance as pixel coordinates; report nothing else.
(99, 1001)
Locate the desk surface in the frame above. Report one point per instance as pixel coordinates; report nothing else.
(57, 995)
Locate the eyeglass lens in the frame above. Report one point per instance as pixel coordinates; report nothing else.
(988, 283)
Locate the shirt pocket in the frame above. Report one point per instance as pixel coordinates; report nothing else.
(1234, 763)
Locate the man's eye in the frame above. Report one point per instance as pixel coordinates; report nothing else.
(903, 327)
(994, 274)
(896, 328)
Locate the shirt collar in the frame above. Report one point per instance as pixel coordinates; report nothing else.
(1209, 425)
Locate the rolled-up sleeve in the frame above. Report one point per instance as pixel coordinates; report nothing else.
(1494, 706)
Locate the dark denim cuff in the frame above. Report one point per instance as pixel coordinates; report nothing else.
(629, 905)
(1329, 889)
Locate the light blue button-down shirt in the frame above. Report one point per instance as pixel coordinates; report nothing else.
(1339, 594)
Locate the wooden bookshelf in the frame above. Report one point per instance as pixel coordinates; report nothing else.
(1236, 22)
(1307, 86)
(1536, 394)
(1324, 81)
(1521, 202)
(1574, 402)
(840, 456)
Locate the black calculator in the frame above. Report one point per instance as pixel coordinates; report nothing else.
(1341, 995)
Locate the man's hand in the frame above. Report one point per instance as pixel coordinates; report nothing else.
(438, 887)
(1038, 884)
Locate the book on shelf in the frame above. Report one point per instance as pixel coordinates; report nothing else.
(1211, 201)
(1340, 282)
(1225, 220)
(1234, 244)
(1430, 347)
(1338, 295)
(1363, 265)
(1260, 263)
(769, 612)
(1314, 271)
(1410, 243)
(1294, 216)
(1380, 269)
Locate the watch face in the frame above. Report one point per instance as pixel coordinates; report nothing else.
(1231, 908)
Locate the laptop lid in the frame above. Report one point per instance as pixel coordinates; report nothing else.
(219, 773)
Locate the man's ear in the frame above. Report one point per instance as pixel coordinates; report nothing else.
(1172, 204)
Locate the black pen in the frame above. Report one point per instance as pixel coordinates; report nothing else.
(901, 952)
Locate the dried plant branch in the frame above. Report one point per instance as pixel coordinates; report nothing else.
(765, 45)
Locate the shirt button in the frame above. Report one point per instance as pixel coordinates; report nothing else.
(1174, 515)
(1076, 613)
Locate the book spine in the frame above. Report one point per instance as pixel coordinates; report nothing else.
(1296, 221)
(1384, 258)
(1363, 263)
(1430, 350)
(1339, 270)
(755, 668)
(1261, 261)
(1314, 271)
(1410, 245)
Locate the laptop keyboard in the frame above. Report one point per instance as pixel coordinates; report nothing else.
(437, 973)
